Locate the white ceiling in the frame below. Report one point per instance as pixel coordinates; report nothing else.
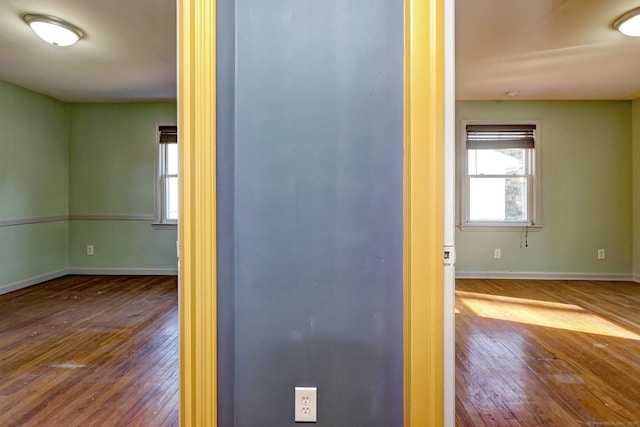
(543, 49)
(128, 53)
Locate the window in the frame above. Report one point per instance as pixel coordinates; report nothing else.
(167, 177)
(500, 183)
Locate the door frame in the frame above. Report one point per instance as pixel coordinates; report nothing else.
(423, 206)
(197, 226)
(424, 213)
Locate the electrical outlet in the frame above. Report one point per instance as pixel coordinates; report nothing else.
(306, 404)
(89, 249)
(601, 254)
(497, 253)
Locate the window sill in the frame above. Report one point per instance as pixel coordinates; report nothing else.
(501, 227)
(165, 225)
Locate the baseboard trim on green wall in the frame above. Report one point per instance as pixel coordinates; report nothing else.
(125, 271)
(535, 275)
(21, 284)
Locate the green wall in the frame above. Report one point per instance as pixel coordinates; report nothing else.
(94, 163)
(112, 173)
(97, 161)
(133, 246)
(33, 185)
(585, 191)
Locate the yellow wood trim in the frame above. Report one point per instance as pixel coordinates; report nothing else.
(197, 226)
(424, 217)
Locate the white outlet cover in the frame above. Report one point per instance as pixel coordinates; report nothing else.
(306, 404)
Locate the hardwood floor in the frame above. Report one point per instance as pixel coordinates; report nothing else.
(90, 351)
(103, 351)
(547, 353)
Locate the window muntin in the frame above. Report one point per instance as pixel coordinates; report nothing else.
(500, 175)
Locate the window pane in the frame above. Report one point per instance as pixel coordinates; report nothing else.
(172, 159)
(497, 162)
(171, 198)
(498, 199)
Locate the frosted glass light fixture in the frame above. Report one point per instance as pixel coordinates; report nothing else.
(53, 30)
(629, 23)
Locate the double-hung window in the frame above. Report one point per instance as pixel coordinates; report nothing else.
(500, 186)
(167, 177)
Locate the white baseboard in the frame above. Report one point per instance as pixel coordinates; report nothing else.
(535, 275)
(10, 287)
(21, 284)
(125, 271)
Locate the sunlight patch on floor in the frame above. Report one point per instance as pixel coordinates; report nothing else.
(541, 313)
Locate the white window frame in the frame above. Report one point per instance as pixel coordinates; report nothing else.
(161, 221)
(534, 222)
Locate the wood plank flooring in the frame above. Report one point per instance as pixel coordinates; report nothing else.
(547, 353)
(103, 351)
(90, 351)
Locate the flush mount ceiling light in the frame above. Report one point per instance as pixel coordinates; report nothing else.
(53, 30)
(629, 23)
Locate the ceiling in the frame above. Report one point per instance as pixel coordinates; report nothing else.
(128, 53)
(545, 49)
(539, 49)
